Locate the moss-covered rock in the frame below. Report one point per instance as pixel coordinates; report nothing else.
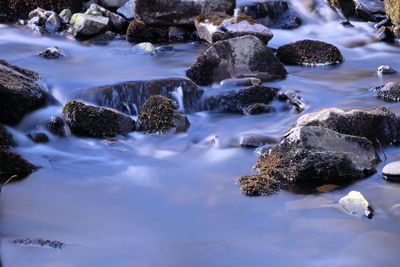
(392, 8)
(19, 93)
(160, 115)
(92, 121)
(6, 139)
(309, 52)
(13, 164)
(258, 184)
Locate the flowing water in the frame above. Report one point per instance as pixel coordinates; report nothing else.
(171, 200)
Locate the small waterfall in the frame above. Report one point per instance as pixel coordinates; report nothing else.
(177, 95)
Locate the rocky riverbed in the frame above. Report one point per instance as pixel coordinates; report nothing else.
(199, 133)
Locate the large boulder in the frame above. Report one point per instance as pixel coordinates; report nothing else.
(129, 97)
(86, 25)
(93, 121)
(6, 139)
(240, 100)
(239, 57)
(179, 12)
(12, 10)
(309, 52)
(379, 125)
(160, 115)
(13, 164)
(312, 153)
(19, 93)
(218, 26)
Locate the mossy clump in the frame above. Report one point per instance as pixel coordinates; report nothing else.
(13, 164)
(245, 17)
(159, 115)
(216, 18)
(6, 139)
(309, 52)
(92, 121)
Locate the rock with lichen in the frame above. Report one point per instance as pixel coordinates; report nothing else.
(93, 121)
(13, 164)
(309, 52)
(160, 115)
(232, 59)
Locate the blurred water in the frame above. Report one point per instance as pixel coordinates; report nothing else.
(171, 200)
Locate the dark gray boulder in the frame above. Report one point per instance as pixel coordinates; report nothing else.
(13, 164)
(232, 58)
(6, 139)
(93, 121)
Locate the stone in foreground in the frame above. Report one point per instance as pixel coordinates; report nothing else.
(160, 115)
(391, 171)
(355, 204)
(239, 57)
(92, 121)
(309, 52)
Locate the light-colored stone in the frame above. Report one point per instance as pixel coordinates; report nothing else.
(355, 204)
(392, 170)
(385, 69)
(127, 10)
(144, 49)
(87, 25)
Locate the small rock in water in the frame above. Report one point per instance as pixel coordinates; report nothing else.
(40, 243)
(57, 126)
(39, 137)
(392, 171)
(240, 82)
(294, 99)
(385, 69)
(256, 140)
(355, 204)
(144, 49)
(51, 53)
(390, 92)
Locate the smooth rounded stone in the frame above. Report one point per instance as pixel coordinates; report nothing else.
(309, 52)
(112, 3)
(231, 82)
(127, 10)
(84, 25)
(232, 59)
(6, 139)
(93, 121)
(130, 96)
(236, 101)
(256, 140)
(379, 125)
(257, 108)
(65, 16)
(19, 93)
(144, 49)
(391, 171)
(117, 22)
(13, 164)
(179, 12)
(385, 69)
(160, 115)
(53, 23)
(215, 27)
(51, 53)
(39, 138)
(355, 204)
(390, 92)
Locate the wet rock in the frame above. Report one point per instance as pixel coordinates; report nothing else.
(129, 97)
(84, 25)
(215, 27)
(19, 93)
(309, 52)
(51, 53)
(390, 92)
(355, 204)
(238, 100)
(116, 22)
(391, 171)
(347, 7)
(258, 184)
(227, 59)
(256, 140)
(92, 121)
(65, 16)
(160, 115)
(385, 69)
(369, 10)
(39, 243)
(39, 137)
(257, 108)
(272, 13)
(127, 10)
(16, 9)
(144, 49)
(57, 126)
(294, 99)
(179, 12)
(112, 3)
(6, 139)
(240, 82)
(378, 124)
(13, 164)
(53, 23)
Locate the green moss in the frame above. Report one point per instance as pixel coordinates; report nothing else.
(243, 16)
(258, 184)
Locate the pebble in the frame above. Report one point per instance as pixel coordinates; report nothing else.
(355, 204)
(392, 171)
(385, 69)
(51, 53)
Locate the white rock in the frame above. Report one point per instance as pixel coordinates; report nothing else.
(385, 69)
(144, 49)
(392, 170)
(87, 25)
(355, 204)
